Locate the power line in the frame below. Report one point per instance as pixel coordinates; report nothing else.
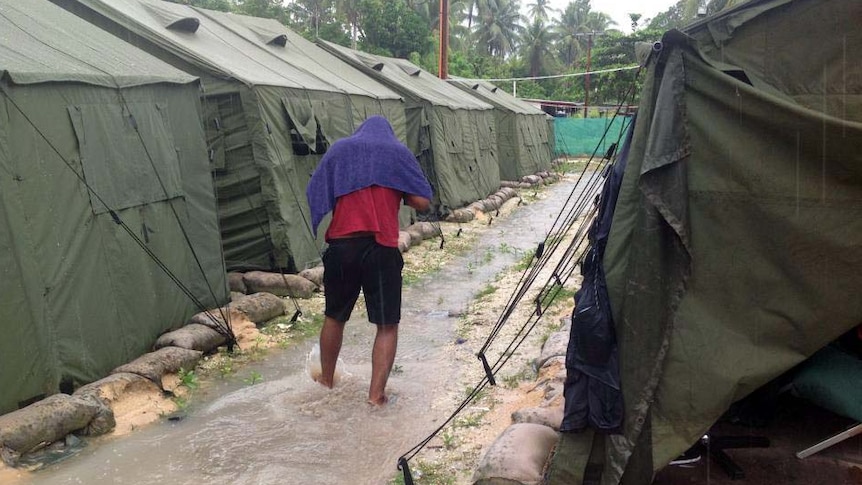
(555, 76)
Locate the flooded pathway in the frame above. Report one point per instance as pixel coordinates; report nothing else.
(288, 429)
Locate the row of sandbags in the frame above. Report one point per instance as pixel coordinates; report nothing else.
(496, 200)
(522, 451)
(89, 410)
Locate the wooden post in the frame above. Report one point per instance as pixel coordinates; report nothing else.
(443, 57)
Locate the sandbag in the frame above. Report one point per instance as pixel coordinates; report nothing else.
(556, 345)
(210, 318)
(490, 205)
(509, 191)
(416, 234)
(461, 215)
(550, 416)
(531, 179)
(315, 275)
(524, 185)
(236, 296)
(508, 183)
(109, 389)
(163, 361)
(404, 241)
(44, 422)
(517, 456)
(279, 284)
(236, 283)
(193, 336)
(477, 206)
(260, 307)
(429, 229)
(554, 369)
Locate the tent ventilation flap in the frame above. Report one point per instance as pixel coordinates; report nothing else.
(185, 24)
(279, 40)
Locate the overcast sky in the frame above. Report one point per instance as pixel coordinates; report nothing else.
(619, 9)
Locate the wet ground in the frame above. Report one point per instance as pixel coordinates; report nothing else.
(289, 430)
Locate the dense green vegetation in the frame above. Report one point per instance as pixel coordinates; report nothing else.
(488, 38)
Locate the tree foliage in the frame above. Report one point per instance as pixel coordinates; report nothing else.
(391, 27)
(488, 38)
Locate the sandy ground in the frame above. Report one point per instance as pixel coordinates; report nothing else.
(453, 454)
(451, 457)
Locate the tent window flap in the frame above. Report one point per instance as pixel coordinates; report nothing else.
(127, 154)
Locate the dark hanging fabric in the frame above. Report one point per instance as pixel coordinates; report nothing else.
(592, 387)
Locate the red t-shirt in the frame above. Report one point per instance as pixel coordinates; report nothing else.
(372, 209)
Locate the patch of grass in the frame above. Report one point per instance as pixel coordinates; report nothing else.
(487, 290)
(506, 249)
(512, 381)
(433, 473)
(397, 369)
(308, 325)
(253, 378)
(472, 421)
(525, 260)
(482, 394)
(181, 402)
(188, 378)
(448, 440)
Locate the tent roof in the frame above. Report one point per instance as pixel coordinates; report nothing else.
(40, 42)
(497, 97)
(301, 53)
(411, 78)
(197, 38)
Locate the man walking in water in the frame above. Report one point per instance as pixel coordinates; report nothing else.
(362, 179)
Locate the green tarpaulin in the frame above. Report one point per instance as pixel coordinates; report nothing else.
(736, 246)
(525, 142)
(272, 104)
(78, 295)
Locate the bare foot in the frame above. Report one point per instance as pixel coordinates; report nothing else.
(383, 401)
(320, 380)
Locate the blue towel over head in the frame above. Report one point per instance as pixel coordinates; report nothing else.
(372, 155)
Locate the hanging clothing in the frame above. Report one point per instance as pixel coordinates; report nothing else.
(592, 388)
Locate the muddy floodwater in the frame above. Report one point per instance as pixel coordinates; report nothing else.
(288, 429)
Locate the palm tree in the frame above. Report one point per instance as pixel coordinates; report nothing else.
(567, 31)
(499, 26)
(539, 10)
(536, 46)
(598, 22)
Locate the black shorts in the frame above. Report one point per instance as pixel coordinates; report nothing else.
(361, 263)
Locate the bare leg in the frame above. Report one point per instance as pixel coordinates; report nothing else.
(331, 336)
(382, 358)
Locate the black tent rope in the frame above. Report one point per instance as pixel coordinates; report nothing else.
(561, 274)
(117, 220)
(225, 329)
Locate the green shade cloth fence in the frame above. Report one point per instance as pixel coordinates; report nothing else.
(581, 136)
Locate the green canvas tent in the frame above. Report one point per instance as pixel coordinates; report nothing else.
(735, 251)
(94, 131)
(273, 102)
(451, 133)
(525, 141)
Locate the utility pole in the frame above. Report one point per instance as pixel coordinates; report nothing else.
(589, 36)
(443, 57)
